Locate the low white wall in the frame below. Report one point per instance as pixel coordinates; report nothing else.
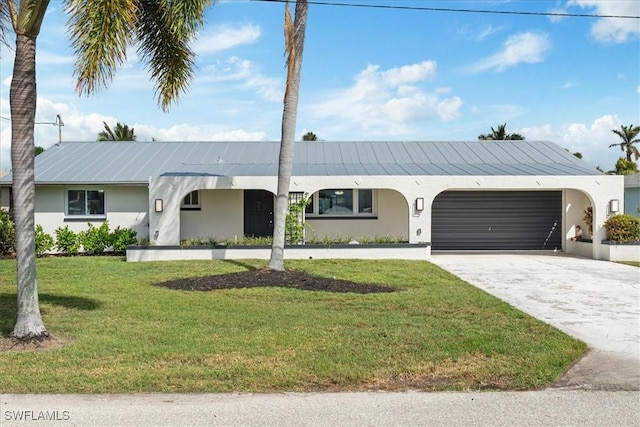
(151, 253)
(583, 249)
(621, 252)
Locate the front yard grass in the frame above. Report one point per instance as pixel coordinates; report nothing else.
(633, 263)
(122, 334)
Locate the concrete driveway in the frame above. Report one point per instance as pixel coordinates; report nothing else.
(595, 301)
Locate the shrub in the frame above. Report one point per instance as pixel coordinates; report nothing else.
(123, 237)
(294, 226)
(67, 241)
(95, 239)
(44, 241)
(7, 233)
(588, 219)
(623, 228)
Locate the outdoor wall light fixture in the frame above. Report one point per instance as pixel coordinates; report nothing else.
(419, 204)
(158, 205)
(614, 205)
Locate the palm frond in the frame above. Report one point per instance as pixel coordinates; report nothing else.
(100, 33)
(164, 31)
(5, 21)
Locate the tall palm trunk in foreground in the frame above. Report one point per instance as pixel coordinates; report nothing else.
(162, 31)
(22, 101)
(294, 44)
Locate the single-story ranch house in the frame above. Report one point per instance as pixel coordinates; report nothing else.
(476, 195)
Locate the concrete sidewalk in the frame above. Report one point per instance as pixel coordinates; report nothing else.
(595, 301)
(540, 408)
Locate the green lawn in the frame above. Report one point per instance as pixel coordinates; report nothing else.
(633, 263)
(125, 335)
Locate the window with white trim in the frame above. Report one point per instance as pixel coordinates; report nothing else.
(342, 203)
(85, 202)
(191, 201)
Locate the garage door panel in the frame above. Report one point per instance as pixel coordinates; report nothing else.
(500, 220)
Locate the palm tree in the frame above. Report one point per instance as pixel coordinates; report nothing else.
(294, 32)
(121, 132)
(628, 134)
(500, 135)
(625, 167)
(161, 30)
(309, 136)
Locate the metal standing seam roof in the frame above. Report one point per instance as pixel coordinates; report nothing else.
(135, 162)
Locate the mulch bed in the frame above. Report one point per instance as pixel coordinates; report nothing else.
(271, 278)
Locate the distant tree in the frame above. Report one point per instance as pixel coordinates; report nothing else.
(577, 153)
(625, 167)
(38, 150)
(121, 132)
(500, 135)
(309, 136)
(628, 134)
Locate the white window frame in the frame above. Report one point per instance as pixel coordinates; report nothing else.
(87, 213)
(189, 205)
(356, 200)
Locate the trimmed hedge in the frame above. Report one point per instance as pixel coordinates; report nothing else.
(623, 228)
(7, 233)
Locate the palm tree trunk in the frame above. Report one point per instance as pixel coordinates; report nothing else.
(23, 109)
(294, 36)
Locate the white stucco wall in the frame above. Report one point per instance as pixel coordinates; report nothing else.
(126, 207)
(575, 202)
(165, 226)
(392, 219)
(219, 217)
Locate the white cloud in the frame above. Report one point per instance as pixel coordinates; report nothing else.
(569, 85)
(449, 109)
(521, 48)
(386, 102)
(488, 31)
(556, 18)
(246, 74)
(226, 38)
(45, 57)
(592, 140)
(613, 30)
(185, 132)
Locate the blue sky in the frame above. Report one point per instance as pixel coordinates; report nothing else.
(370, 74)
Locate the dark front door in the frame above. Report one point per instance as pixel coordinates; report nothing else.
(258, 213)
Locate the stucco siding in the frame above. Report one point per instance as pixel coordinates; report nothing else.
(219, 217)
(392, 220)
(126, 207)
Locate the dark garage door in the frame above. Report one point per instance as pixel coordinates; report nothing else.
(497, 220)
